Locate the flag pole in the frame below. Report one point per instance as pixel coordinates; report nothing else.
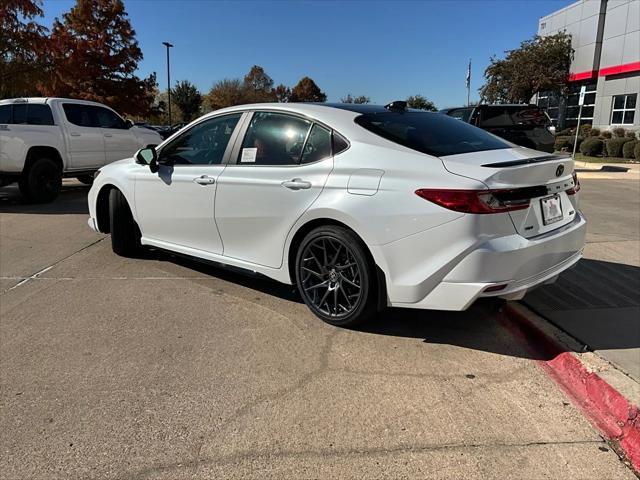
(469, 84)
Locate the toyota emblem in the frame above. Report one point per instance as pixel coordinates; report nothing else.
(559, 170)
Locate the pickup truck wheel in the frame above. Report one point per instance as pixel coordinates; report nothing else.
(86, 179)
(125, 235)
(42, 181)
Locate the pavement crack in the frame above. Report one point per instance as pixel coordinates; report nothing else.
(57, 262)
(235, 459)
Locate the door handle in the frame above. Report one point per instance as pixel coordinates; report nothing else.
(204, 180)
(296, 184)
(108, 135)
(74, 134)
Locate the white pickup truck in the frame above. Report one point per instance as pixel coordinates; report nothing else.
(45, 139)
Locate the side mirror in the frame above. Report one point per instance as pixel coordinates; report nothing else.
(129, 123)
(148, 156)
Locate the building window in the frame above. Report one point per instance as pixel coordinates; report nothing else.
(550, 102)
(623, 110)
(573, 109)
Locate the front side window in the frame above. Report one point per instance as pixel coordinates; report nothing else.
(108, 119)
(203, 144)
(624, 109)
(274, 139)
(431, 133)
(81, 115)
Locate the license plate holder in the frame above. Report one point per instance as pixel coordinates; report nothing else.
(551, 208)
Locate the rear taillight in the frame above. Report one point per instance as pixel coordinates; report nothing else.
(476, 201)
(576, 185)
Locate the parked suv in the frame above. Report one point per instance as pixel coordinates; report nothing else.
(525, 125)
(45, 139)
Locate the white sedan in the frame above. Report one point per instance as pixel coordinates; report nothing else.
(360, 206)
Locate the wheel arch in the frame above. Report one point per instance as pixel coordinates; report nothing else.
(102, 207)
(310, 225)
(36, 152)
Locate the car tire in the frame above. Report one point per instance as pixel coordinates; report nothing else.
(42, 181)
(336, 277)
(86, 179)
(125, 235)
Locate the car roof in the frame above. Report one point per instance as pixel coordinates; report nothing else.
(491, 105)
(41, 100)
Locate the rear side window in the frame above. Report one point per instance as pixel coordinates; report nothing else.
(81, 115)
(430, 133)
(39, 114)
(5, 113)
(318, 145)
(19, 114)
(510, 116)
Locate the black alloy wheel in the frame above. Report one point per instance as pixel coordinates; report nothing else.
(335, 277)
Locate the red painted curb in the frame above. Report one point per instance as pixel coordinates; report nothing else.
(613, 415)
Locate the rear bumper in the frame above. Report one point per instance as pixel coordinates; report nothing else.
(510, 265)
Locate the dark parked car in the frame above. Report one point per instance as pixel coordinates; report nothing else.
(525, 125)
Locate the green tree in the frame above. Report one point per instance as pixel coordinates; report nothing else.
(360, 99)
(187, 98)
(540, 64)
(307, 91)
(95, 55)
(421, 103)
(23, 48)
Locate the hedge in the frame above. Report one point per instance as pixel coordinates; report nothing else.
(591, 147)
(613, 146)
(636, 151)
(628, 149)
(566, 142)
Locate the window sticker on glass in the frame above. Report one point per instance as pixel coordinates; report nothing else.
(249, 155)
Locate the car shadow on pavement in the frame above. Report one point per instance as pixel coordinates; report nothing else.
(72, 200)
(483, 325)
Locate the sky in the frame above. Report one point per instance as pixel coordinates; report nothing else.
(386, 50)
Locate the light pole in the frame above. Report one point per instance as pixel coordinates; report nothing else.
(168, 45)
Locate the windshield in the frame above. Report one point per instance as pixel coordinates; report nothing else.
(430, 133)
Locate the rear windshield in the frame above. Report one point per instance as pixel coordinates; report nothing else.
(511, 116)
(430, 133)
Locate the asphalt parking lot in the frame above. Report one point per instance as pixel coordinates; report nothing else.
(164, 368)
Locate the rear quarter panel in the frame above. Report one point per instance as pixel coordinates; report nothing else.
(16, 140)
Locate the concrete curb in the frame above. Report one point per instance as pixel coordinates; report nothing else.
(615, 417)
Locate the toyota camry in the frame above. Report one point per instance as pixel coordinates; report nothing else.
(360, 206)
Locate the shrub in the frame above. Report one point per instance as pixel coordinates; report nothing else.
(630, 134)
(591, 147)
(619, 132)
(606, 134)
(629, 148)
(565, 142)
(613, 146)
(566, 132)
(636, 152)
(594, 132)
(585, 130)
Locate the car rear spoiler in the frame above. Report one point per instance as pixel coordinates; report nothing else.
(526, 161)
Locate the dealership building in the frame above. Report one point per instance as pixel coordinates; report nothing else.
(605, 36)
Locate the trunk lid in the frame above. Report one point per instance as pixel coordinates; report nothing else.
(516, 168)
